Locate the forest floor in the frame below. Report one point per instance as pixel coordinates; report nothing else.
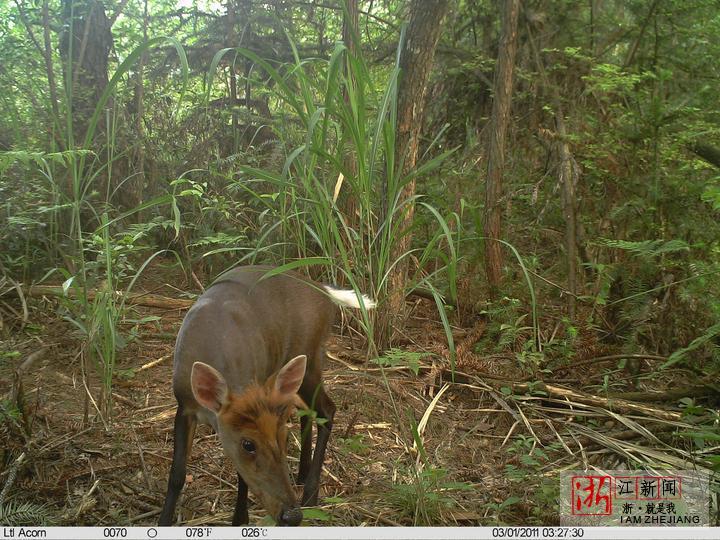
(486, 457)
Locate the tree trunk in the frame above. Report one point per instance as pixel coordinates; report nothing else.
(351, 36)
(231, 39)
(50, 73)
(137, 184)
(85, 45)
(415, 61)
(567, 179)
(351, 21)
(568, 182)
(496, 147)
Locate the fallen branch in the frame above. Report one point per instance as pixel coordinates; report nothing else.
(122, 399)
(599, 359)
(703, 389)
(136, 299)
(709, 153)
(155, 362)
(628, 435)
(613, 404)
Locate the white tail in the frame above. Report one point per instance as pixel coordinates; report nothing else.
(349, 298)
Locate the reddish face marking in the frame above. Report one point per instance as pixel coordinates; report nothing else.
(253, 429)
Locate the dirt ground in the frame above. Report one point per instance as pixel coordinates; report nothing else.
(96, 471)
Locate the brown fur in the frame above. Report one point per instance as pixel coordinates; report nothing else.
(257, 408)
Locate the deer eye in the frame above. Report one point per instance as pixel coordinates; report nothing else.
(248, 446)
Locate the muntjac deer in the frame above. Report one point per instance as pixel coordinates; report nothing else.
(249, 351)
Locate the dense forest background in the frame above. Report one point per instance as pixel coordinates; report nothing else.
(540, 180)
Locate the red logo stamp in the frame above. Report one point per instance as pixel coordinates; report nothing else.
(592, 495)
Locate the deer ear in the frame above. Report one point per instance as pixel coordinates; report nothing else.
(208, 386)
(290, 377)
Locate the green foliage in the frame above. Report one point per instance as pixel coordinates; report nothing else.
(355, 444)
(498, 509)
(41, 160)
(399, 357)
(427, 496)
(7, 355)
(316, 514)
(706, 433)
(508, 330)
(336, 157)
(705, 339)
(261, 185)
(312, 416)
(9, 413)
(561, 348)
(530, 471)
(711, 194)
(647, 249)
(97, 258)
(611, 79)
(428, 491)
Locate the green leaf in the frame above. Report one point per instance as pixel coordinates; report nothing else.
(510, 501)
(399, 357)
(698, 342)
(309, 261)
(316, 514)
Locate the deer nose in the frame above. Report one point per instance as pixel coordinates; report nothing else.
(290, 517)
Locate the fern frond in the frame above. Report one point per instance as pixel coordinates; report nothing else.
(24, 513)
(646, 248)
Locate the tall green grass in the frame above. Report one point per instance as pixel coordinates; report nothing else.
(341, 148)
(98, 318)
